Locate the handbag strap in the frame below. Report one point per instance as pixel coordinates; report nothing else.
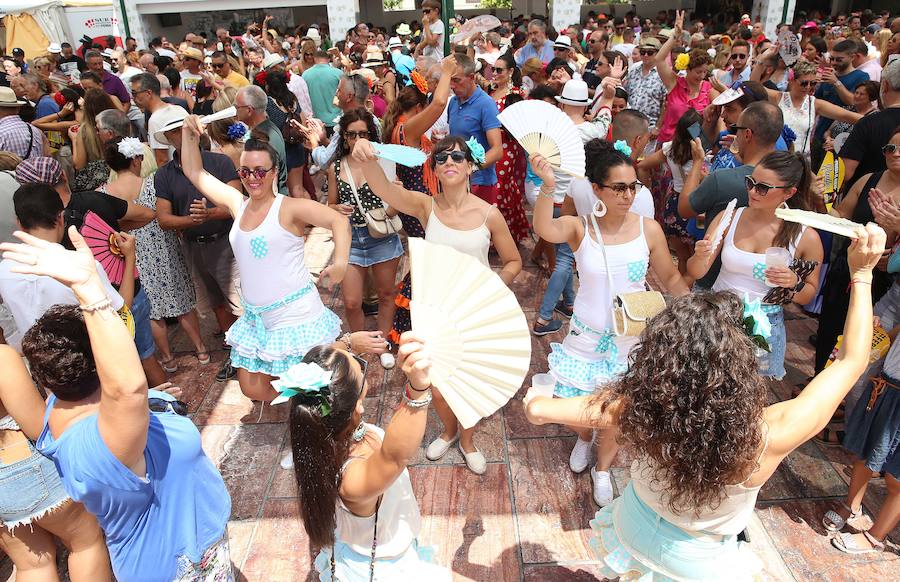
(352, 183)
(602, 248)
(374, 546)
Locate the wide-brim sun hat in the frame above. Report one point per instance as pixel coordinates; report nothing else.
(191, 53)
(575, 92)
(8, 98)
(172, 117)
(403, 30)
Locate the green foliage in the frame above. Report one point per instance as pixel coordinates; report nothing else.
(488, 4)
(392, 4)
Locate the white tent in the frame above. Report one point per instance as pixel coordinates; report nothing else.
(26, 19)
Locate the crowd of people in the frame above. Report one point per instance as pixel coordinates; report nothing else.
(120, 200)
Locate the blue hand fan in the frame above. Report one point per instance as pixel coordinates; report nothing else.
(400, 154)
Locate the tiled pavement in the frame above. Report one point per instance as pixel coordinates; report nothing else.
(527, 517)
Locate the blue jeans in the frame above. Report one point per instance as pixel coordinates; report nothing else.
(560, 283)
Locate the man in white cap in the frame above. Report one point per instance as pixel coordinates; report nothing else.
(562, 49)
(403, 64)
(190, 75)
(646, 91)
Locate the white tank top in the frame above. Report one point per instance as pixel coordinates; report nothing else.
(269, 257)
(743, 271)
(399, 520)
(801, 120)
(475, 242)
(628, 263)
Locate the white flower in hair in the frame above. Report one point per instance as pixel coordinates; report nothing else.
(131, 147)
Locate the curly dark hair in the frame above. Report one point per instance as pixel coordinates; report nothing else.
(354, 115)
(320, 444)
(59, 354)
(693, 400)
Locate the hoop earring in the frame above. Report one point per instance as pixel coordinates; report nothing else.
(784, 205)
(359, 433)
(599, 209)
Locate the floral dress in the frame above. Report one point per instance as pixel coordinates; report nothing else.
(511, 182)
(417, 179)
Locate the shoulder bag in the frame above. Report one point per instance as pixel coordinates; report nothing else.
(378, 222)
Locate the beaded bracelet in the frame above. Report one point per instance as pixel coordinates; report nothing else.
(416, 403)
(860, 282)
(345, 339)
(409, 386)
(98, 306)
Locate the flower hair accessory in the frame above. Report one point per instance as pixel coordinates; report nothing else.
(131, 147)
(788, 135)
(419, 81)
(622, 146)
(476, 150)
(236, 131)
(309, 382)
(682, 62)
(756, 323)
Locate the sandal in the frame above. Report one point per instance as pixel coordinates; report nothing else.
(833, 521)
(830, 437)
(169, 365)
(845, 543)
(203, 358)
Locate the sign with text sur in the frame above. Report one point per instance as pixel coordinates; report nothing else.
(97, 22)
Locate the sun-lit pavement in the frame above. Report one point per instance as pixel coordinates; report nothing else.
(527, 517)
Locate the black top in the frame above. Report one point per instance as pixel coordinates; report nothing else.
(589, 77)
(172, 185)
(345, 196)
(864, 144)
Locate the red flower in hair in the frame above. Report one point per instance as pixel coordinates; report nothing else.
(60, 99)
(419, 81)
(260, 78)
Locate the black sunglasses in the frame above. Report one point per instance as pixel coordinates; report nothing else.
(889, 149)
(806, 84)
(457, 156)
(740, 56)
(356, 134)
(621, 188)
(163, 405)
(245, 172)
(761, 187)
(218, 65)
(648, 52)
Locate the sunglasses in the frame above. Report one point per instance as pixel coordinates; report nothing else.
(457, 156)
(740, 56)
(761, 187)
(356, 134)
(621, 189)
(245, 172)
(594, 40)
(890, 149)
(807, 84)
(647, 52)
(500, 70)
(218, 65)
(559, 49)
(163, 405)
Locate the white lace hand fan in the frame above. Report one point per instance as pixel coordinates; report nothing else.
(820, 221)
(474, 330)
(542, 128)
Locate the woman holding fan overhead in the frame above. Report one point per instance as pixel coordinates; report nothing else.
(614, 249)
(456, 218)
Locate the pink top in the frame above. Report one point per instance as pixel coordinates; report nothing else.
(678, 102)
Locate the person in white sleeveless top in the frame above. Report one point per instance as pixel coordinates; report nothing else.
(614, 249)
(694, 414)
(457, 218)
(780, 178)
(283, 314)
(356, 500)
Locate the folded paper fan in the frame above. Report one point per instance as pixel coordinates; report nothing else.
(727, 214)
(542, 128)
(474, 25)
(100, 238)
(400, 154)
(819, 221)
(474, 330)
(226, 113)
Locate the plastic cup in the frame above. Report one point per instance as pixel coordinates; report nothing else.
(777, 257)
(543, 384)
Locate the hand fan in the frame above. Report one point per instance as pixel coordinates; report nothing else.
(542, 128)
(476, 334)
(100, 238)
(474, 25)
(832, 173)
(727, 215)
(819, 221)
(400, 154)
(790, 47)
(226, 113)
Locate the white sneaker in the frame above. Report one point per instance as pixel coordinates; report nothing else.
(581, 455)
(287, 461)
(387, 360)
(603, 491)
(439, 447)
(475, 461)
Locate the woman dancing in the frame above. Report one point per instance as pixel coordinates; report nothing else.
(779, 178)
(694, 412)
(614, 249)
(356, 499)
(457, 218)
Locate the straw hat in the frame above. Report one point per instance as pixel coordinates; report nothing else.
(192, 53)
(403, 30)
(272, 59)
(8, 98)
(374, 59)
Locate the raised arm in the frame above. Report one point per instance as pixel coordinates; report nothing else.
(124, 414)
(793, 422)
(666, 73)
(215, 190)
(832, 111)
(406, 201)
(416, 126)
(565, 229)
(365, 480)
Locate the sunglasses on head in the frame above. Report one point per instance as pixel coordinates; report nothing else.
(456, 155)
(259, 173)
(740, 56)
(890, 149)
(761, 187)
(356, 134)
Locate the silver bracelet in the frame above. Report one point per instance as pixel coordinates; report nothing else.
(345, 339)
(98, 306)
(417, 403)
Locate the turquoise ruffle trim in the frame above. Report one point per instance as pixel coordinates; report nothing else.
(578, 377)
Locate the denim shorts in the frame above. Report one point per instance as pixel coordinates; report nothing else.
(143, 337)
(366, 250)
(29, 489)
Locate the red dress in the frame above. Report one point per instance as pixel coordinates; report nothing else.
(511, 183)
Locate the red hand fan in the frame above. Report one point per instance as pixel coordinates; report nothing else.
(100, 238)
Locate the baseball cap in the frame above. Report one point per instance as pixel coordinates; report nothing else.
(17, 52)
(55, 48)
(810, 25)
(39, 170)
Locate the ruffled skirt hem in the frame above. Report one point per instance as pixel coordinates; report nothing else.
(576, 376)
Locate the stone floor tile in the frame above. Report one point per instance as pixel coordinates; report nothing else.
(226, 404)
(280, 549)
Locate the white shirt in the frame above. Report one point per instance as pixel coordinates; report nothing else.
(435, 52)
(28, 297)
(189, 82)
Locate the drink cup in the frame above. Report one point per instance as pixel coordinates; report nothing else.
(777, 257)
(543, 384)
